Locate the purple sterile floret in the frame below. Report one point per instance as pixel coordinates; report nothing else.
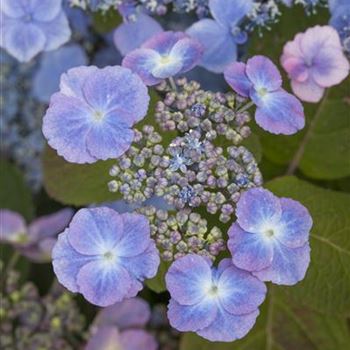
(36, 240)
(105, 255)
(314, 60)
(220, 35)
(90, 118)
(271, 237)
(108, 337)
(134, 312)
(12, 226)
(32, 26)
(131, 35)
(277, 111)
(219, 304)
(163, 56)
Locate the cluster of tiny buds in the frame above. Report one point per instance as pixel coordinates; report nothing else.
(196, 160)
(179, 233)
(30, 322)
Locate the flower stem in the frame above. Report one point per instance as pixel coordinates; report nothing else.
(245, 107)
(298, 155)
(172, 84)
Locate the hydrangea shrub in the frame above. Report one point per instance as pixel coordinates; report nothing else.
(182, 178)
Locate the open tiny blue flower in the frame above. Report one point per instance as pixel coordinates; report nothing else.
(32, 26)
(105, 255)
(220, 35)
(53, 64)
(277, 111)
(219, 304)
(163, 56)
(92, 115)
(271, 237)
(131, 35)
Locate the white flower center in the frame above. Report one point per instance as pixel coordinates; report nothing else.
(165, 60)
(269, 233)
(262, 92)
(98, 116)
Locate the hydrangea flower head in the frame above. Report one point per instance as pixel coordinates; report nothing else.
(32, 26)
(90, 118)
(163, 56)
(218, 304)
(277, 111)
(271, 237)
(52, 65)
(314, 60)
(220, 35)
(105, 255)
(131, 35)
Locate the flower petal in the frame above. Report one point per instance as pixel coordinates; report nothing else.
(136, 235)
(13, 9)
(257, 209)
(236, 77)
(142, 62)
(67, 262)
(227, 327)
(330, 67)
(110, 138)
(136, 339)
(72, 82)
(50, 225)
(229, 12)
(102, 90)
(12, 226)
(144, 265)
(105, 338)
(163, 42)
(316, 39)
(103, 283)
(187, 318)
(263, 73)
(44, 10)
(52, 65)
(280, 113)
(250, 251)
(240, 292)
(189, 51)
(134, 312)
(23, 40)
(295, 224)
(219, 46)
(308, 90)
(95, 231)
(65, 126)
(57, 31)
(288, 266)
(188, 279)
(131, 35)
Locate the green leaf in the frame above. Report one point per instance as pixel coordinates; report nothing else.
(105, 21)
(326, 286)
(252, 143)
(326, 150)
(157, 283)
(282, 325)
(77, 184)
(14, 193)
